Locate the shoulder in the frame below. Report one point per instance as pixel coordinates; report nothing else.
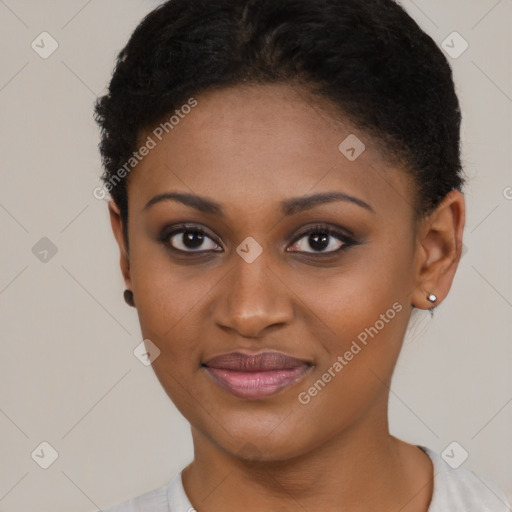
(461, 489)
(155, 500)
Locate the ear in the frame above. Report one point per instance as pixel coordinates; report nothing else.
(117, 228)
(439, 249)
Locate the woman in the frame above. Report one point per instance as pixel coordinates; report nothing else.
(286, 188)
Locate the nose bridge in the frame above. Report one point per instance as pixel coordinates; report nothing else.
(251, 278)
(253, 297)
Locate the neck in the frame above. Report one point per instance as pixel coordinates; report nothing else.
(363, 468)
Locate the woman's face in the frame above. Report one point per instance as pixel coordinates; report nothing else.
(256, 281)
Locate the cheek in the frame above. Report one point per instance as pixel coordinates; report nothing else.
(362, 300)
(360, 350)
(165, 296)
(353, 375)
(359, 321)
(171, 310)
(168, 316)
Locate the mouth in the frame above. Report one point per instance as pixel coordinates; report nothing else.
(255, 376)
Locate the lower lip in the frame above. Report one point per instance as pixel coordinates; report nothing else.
(257, 384)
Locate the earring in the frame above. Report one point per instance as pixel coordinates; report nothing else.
(432, 298)
(128, 298)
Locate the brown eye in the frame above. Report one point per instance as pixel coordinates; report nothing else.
(322, 240)
(189, 239)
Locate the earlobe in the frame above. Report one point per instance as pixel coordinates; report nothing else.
(117, 229)
(439, 249)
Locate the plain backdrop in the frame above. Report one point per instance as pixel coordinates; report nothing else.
(68, 373)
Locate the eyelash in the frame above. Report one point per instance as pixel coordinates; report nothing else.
(318, 229)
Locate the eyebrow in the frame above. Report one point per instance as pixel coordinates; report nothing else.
(288, 207)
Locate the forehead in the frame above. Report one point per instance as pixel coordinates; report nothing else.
(249, 147)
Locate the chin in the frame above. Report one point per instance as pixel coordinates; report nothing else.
(255, 441)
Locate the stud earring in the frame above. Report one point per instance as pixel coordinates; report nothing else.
(432, 298)
(128, 298)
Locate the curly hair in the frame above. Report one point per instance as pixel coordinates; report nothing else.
(369, 58)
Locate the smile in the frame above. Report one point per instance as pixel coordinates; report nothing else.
(256, 376)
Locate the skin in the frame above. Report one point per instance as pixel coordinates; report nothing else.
(249, 148)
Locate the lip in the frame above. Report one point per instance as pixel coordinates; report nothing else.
(254, 376)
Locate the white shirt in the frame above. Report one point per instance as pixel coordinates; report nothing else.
(454, 490)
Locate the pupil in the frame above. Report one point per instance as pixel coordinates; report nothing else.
(316, 244)
(189, 240)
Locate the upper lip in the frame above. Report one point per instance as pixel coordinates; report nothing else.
(264, 361)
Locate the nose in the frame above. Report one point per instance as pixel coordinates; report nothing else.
(253, 299)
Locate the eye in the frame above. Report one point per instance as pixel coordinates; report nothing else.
(189, 239)
(324, 240)
(320, 238)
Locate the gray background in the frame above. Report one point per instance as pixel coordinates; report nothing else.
(69, 376)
